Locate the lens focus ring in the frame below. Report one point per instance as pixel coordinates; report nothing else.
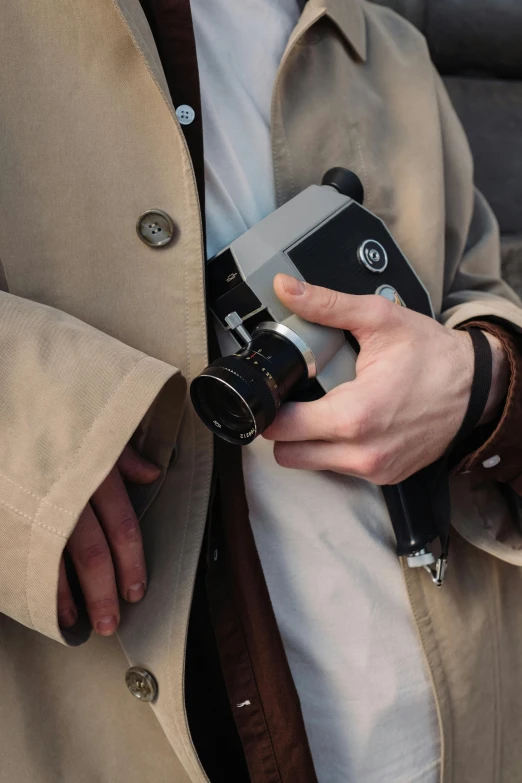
(238, 396)
(264, 390)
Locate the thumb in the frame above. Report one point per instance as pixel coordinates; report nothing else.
(360, 315)
(136, 468)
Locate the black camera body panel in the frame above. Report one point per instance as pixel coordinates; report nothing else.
(330, 257)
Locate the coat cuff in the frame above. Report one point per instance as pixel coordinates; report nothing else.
(149, 385)
(499, 457)
(71, 397)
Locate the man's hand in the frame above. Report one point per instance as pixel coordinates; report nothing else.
(106, 549)
(405, 406)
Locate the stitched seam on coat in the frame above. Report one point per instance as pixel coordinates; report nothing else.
(36, 497)
(144, 58)
(71, 461)
(26, 587)
(182, 730)
(58, 508)
(52, 529)
(276, 99)
(446, 738)
(190, 751)
(32, 519)
(87, 434)
(29, 546)
(142, 45)
(16, 510)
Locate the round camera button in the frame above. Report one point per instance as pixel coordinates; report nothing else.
(372, 254)
(391, 294)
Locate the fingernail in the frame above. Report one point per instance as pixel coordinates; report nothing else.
(67, 618)
(106, 625)
(293, 286)
(136, 592)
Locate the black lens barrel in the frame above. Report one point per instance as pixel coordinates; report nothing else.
(260, 377)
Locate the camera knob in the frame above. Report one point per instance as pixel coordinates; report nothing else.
(346, 182)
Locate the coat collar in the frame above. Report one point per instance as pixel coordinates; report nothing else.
(347, 15)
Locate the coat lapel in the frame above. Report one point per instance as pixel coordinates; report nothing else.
(142, 38)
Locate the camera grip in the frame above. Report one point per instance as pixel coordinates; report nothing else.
(419, 509)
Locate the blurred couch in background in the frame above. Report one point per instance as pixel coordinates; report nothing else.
(477, 47)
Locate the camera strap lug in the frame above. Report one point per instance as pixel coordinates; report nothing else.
(434, 565)
(438, 570)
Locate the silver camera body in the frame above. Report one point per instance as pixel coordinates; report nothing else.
(326, 238)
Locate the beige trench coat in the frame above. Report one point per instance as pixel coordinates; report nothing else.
(100, 333)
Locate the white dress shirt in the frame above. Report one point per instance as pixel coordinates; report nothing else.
(328, 557)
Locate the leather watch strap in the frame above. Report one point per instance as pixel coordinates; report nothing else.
(480, 386)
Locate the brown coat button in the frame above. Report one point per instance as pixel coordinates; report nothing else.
(155, 228)
(141, 683)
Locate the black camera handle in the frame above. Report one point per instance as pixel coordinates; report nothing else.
(419, 506)
(427, 491)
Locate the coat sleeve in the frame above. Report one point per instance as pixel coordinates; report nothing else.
(474, 291)
(473, 286)
(70, 399)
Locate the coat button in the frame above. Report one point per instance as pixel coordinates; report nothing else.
(141, 683)
(155, 228)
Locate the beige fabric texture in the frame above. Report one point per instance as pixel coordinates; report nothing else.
(70, 399)
(100, 334)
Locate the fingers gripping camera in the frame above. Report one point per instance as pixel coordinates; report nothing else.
(326, 237)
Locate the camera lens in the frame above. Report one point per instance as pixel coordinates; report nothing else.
(234, 411)
(238, 396)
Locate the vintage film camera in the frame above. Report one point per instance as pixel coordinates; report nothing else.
(326, 237)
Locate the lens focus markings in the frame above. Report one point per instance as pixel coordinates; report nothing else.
(263, 369)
